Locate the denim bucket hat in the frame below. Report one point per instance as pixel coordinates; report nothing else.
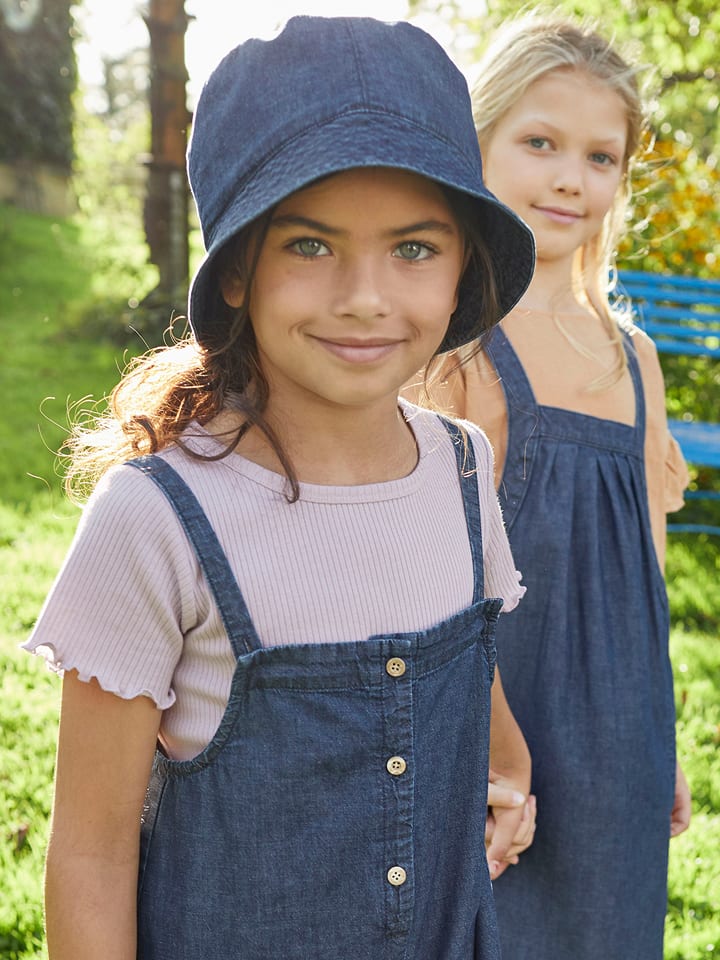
(329, 94)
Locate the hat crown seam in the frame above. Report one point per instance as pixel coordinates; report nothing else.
(358, 62)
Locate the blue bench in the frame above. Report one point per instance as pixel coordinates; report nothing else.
(682, 315)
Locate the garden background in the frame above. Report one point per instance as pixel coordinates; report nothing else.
(72, 292)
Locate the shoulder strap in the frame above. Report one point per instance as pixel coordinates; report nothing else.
(523, 421)
(209, 552)
(467, 472)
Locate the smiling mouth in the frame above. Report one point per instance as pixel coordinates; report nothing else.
(359, 351)
(558, 215)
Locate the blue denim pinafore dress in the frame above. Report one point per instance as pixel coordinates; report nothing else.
(586, 671)
(339, 811)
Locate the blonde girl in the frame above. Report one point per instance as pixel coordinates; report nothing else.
(571, 396)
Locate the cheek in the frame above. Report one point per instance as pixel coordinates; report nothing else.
(605, 193)
(602, 207)
(437, 301)
(505, 169)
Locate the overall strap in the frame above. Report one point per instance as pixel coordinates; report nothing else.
(210, 554)
(508, 367)
(467, 472)
(634, 368)
(523, 422)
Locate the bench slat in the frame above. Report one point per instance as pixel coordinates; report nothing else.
(703, 324)
(680, 347)
(663, 325)
(656, 295)
(699, 441)
(673, 280)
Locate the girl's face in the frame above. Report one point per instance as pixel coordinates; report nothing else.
(557, 158)
(354, 287)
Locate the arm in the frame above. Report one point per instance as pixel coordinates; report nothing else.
(667, 478)
(680, 819)
(510, 763)
(105, 752)
(665, 468)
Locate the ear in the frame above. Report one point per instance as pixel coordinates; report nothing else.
(233, 290)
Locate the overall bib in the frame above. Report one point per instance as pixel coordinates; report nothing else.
(339, 811)
(585, 668)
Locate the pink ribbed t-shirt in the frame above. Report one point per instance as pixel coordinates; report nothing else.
(131, 608)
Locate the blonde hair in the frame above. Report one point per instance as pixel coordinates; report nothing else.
(520, 53)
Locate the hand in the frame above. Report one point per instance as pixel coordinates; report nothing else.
(510, 771)
(680, 817)
(510, 826)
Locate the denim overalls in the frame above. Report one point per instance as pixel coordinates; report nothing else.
(339, 811)
(585, 667)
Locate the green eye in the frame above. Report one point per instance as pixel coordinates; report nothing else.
(308, 247)
(412, 250)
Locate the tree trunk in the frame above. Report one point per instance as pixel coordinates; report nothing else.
(167, 200)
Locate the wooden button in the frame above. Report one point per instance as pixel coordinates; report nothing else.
(396, 766)
(395, 667)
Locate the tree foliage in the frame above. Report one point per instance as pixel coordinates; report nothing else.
(38, 75)
(677, 39)
(675, 218)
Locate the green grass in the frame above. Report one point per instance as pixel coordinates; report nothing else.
(47, 270)
(47, 274)
(693, 924)
(29, 721)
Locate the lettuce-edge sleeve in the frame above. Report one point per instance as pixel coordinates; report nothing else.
(124, 596)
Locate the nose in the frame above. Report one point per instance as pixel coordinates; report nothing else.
(362, 288)
(569, 175)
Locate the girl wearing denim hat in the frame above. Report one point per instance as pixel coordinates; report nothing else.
(285, 576)
(572, 398)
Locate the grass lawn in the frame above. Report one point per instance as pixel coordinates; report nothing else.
(45, 274)
(46, 269)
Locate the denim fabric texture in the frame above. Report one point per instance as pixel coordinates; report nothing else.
(330, 94)
(586, 671)
(283, 838)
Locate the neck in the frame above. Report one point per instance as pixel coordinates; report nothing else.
(339, 447)
(551, 289)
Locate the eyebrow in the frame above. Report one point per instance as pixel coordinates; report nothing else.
(422, 226)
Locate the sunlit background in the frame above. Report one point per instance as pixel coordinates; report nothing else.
(110, 29)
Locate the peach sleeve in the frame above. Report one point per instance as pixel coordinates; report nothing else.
(666, 471)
